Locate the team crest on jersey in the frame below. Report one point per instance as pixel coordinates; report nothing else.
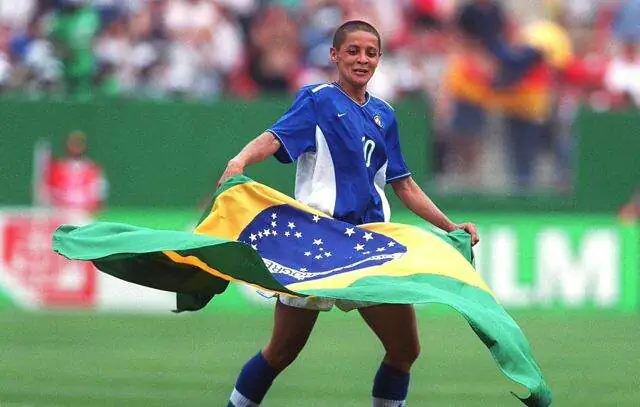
(378, 120)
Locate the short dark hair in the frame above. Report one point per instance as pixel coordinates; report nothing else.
(352, 26)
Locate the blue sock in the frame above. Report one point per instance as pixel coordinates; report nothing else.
(253, 383)
(390, 387)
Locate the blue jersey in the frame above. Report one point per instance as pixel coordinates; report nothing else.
(345, 152)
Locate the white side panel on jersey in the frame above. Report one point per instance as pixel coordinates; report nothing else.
(379, 181)
(315, 177)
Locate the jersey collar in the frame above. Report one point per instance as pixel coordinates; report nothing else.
(366, 94)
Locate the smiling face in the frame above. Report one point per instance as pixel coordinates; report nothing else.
(357, 58)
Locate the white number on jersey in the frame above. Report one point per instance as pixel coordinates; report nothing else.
(368, 147)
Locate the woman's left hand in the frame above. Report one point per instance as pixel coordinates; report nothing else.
(471, 229)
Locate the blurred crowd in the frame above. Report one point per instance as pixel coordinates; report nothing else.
(208, 49)
(204, 49)
(199, 49)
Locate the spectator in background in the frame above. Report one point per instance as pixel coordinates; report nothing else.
(240, 8)
(148, 33)
(205, 48)
(462, 113)
(512, 72)
(75, 26)
(580, 12)
(186, 19)
(421, 64)
(583, 77)
(622, 77)
(223, 53)
(536, 110)
(17, 14)
(421, 59)
(468, 74)
(316, 35)
(190, 25)
(626, 21)
(6, 68)
(274, 50)
(390, 17)
(39, 69)
(110, 10)
(75, 181)
(482, 19)
(485, 22)
(630, 211)
(205, 45)
(113, 50)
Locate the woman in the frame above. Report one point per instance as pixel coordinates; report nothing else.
(346, 147)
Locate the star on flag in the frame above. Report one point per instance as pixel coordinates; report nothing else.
(319, 246)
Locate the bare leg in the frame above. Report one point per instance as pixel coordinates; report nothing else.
(291, 329)
(396, 326)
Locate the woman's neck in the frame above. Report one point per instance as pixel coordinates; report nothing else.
(359, 95)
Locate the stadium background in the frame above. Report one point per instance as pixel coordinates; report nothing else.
(167, 91)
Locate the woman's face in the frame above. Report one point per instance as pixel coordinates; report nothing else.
(357, 58)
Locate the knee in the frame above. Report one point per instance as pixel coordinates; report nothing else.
(280, 356)
(404, 355)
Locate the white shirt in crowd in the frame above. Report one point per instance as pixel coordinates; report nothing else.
(623, 76)
(16, 13)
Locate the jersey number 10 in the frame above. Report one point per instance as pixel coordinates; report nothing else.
(368, 147)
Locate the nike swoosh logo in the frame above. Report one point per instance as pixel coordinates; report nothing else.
(341, 114)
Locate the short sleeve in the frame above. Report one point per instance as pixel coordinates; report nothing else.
(396, 164)
(296, 129)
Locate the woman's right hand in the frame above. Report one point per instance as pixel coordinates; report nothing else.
(234, 167)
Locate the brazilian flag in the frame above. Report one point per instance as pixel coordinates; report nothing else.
(258, 236)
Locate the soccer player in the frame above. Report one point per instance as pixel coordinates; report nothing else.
(346, 147)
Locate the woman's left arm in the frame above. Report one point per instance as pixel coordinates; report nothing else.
(418, 202)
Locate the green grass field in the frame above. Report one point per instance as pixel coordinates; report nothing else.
(59, 359)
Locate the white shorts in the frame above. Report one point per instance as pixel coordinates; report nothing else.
(322, 303)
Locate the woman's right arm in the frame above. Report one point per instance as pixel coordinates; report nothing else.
(258, 150)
